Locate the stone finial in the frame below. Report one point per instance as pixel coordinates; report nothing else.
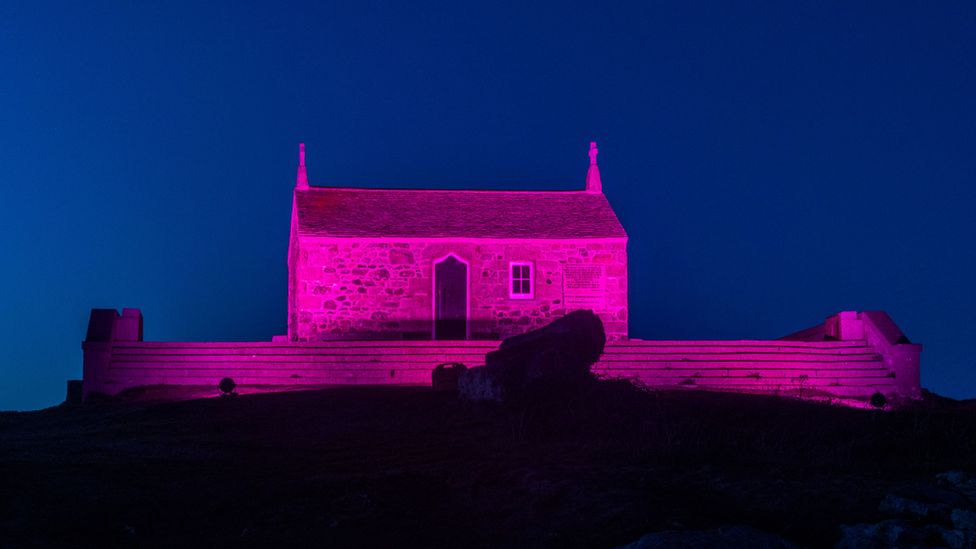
(302, 182)
(593, 184)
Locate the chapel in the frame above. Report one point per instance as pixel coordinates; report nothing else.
(412, 264)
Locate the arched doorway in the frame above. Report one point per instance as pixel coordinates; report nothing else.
(450, 299)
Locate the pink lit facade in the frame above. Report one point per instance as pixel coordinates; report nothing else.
(384, 285)
(452, 265)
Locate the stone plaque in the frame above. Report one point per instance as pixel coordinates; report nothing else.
(583, 286)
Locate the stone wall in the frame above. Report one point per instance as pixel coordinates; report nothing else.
(344, 286)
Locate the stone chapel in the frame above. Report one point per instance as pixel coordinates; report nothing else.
(411, 264)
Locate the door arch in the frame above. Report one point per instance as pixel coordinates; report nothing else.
(451, 298)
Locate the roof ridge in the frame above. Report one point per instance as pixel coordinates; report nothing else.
(373, 189)
(439, 213)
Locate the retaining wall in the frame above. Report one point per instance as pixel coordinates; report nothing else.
(879, 360)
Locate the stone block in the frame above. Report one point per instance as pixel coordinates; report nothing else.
(310, 273)
(401, 257)
(844, 326)
(548, 291)
(490, 290)
(420, 307)
(419, 286)
(309, 302)
(129, 326)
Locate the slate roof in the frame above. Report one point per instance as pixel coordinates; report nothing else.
(413, 213)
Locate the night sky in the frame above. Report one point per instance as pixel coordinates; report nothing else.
(773, 163)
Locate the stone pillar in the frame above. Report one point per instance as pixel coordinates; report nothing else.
(74, 392)
(844, 326)
(97, 349)
(900, 355)
(129, 326)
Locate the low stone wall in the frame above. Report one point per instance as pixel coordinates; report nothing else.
(829, 368)
(855, 368)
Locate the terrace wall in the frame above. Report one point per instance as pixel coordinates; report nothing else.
(843, 368)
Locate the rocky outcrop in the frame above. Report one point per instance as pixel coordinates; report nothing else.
(958, 481)
(547, 361)
(887, 533)
(725, 537)
(947, 521)
(912, 509)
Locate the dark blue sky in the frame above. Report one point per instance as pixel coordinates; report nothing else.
(773, 163)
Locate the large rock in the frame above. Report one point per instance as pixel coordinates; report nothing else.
(964, 483)
(547, 361)
(879, 536)
(964, 519)
(912, 509)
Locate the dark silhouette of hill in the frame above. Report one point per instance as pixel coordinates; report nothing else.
(408, 467)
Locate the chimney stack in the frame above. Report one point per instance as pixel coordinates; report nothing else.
(302, 182)
(593, 184)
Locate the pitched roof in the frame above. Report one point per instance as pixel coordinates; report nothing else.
(408, 213)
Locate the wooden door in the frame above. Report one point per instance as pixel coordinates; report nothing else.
(450, 299)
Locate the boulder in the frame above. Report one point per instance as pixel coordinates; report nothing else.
(957, 539)
(445, 376)
(928, 492)
(912, 509)
(548, 361)
(887, 533)
(964, 519)
(964, 483)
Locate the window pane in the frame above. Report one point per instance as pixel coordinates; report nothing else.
(516, 271)
(516, 286)
(525, 271)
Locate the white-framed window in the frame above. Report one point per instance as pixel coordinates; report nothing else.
(521, 275)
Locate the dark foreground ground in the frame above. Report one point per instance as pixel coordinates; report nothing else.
(407, 467)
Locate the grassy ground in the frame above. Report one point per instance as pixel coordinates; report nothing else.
(407, 467)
